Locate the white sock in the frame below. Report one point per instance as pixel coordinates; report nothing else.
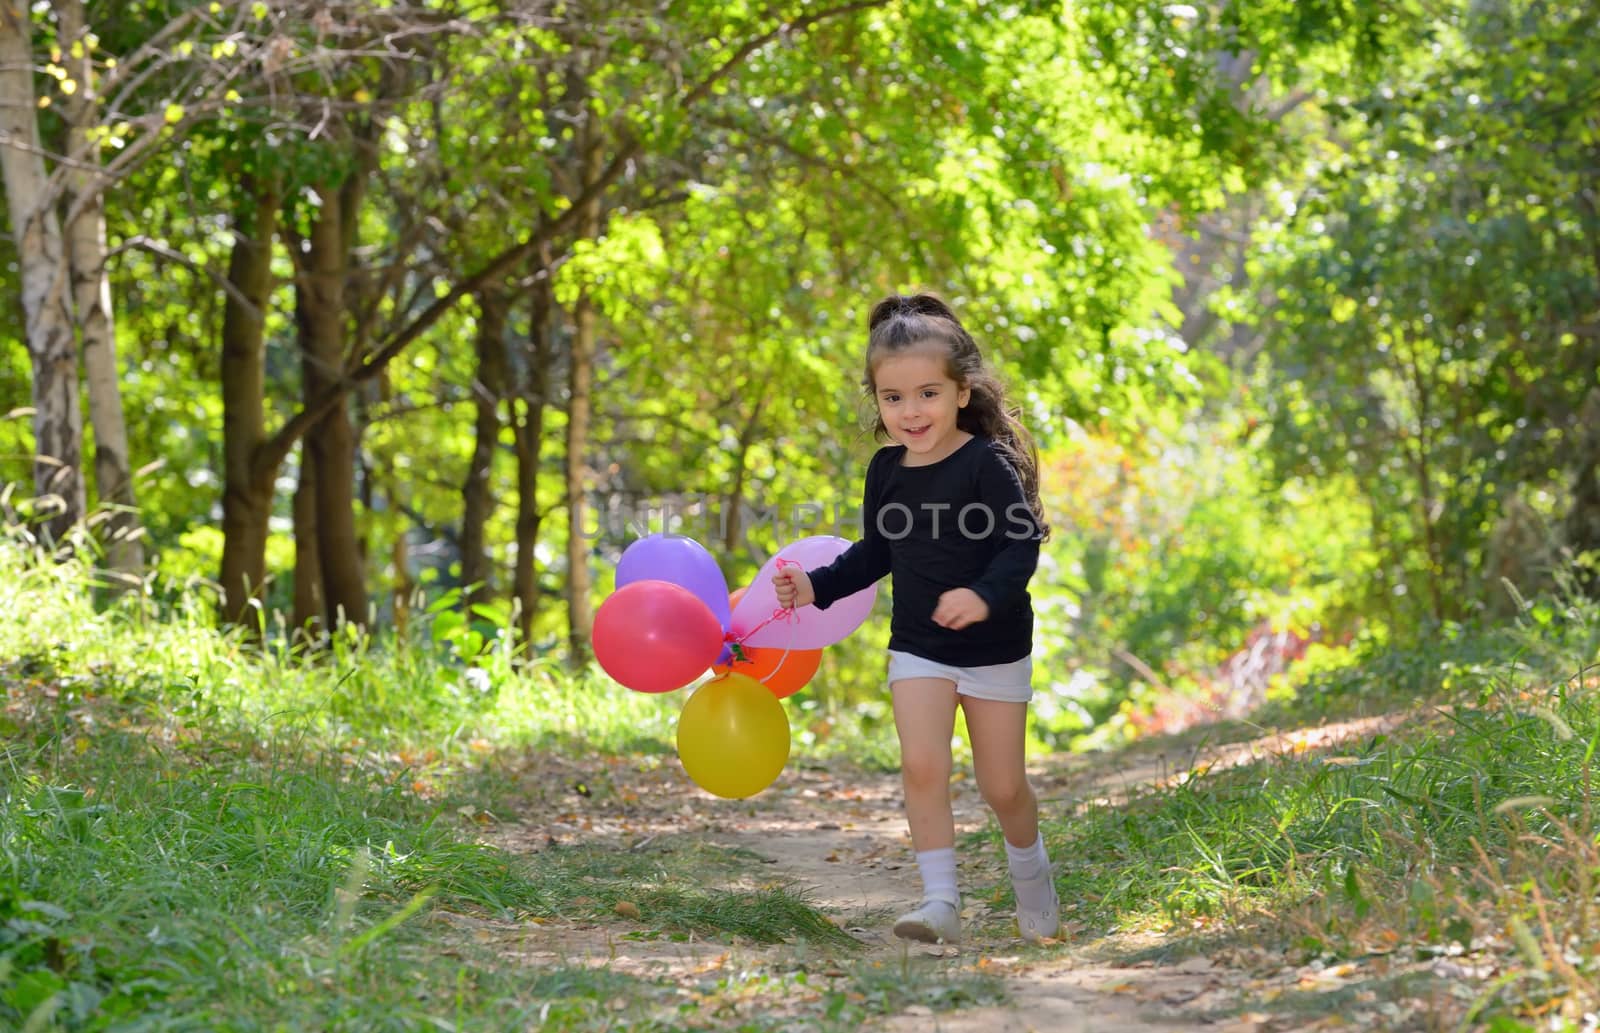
(938, 868)
(1030, 875)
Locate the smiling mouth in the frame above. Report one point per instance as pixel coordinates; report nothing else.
(914, 433)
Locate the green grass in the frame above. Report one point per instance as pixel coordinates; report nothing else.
(195, 834)
(884, 988)
(204, 881)
(416, 693)
(1472, 824)
(200, 834)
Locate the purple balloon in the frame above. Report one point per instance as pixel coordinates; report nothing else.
(806, 627)
(680, 561)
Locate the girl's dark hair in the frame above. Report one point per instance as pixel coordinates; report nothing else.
(905, 322)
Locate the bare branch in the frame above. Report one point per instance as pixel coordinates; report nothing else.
(156, 247)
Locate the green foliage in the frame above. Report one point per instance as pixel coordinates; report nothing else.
(1422, 274)
(1172, 552)
(448, 687)
(1430, 288)
(761, 216)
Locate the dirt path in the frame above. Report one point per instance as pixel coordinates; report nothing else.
(849, 845)
(844, 840)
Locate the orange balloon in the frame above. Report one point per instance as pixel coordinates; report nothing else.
(734, 597)
(785, 672)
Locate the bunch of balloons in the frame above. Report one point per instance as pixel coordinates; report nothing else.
(672, 617)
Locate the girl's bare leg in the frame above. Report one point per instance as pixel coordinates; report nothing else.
(998, 731)
(924, 718)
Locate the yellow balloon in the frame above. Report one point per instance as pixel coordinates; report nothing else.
(733, 737)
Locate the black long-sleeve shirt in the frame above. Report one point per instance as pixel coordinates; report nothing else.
(962, 522)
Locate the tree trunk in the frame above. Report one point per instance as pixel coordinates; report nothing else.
(57, 421)
(528, 429)
(733, 519)
(401, 585)
(310, 605)
(487, 390)
(330, 443)
(400, 556)
(580, 612)
(580, 379)
(248, 483)
(91, 294)
(1421, 383)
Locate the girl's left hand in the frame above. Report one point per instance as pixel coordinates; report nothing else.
(960, 607)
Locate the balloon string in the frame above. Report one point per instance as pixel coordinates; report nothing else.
(790, 617)
(786, 614)
(787, 648)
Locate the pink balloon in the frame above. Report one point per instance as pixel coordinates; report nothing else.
(654, 636)
(806, 627)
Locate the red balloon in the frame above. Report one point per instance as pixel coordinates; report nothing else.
(654, 636)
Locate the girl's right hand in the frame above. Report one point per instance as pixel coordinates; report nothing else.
(793, 588)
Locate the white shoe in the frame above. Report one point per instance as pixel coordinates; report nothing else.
(1042, 924)
(934, 921)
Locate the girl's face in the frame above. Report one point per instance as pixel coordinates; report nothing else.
(918, 403)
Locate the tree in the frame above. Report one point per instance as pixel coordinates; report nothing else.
(171, 73)
(87, 264)
(1435, 294)
(527, 423)
(702, 203)
(57, 421)
(489, 390)
(248, 482)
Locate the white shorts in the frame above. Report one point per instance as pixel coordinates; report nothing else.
(1007, 683)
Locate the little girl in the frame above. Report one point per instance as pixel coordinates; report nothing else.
(952, 510)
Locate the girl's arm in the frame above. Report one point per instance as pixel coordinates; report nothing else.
(867, 560)
(1017, 530)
